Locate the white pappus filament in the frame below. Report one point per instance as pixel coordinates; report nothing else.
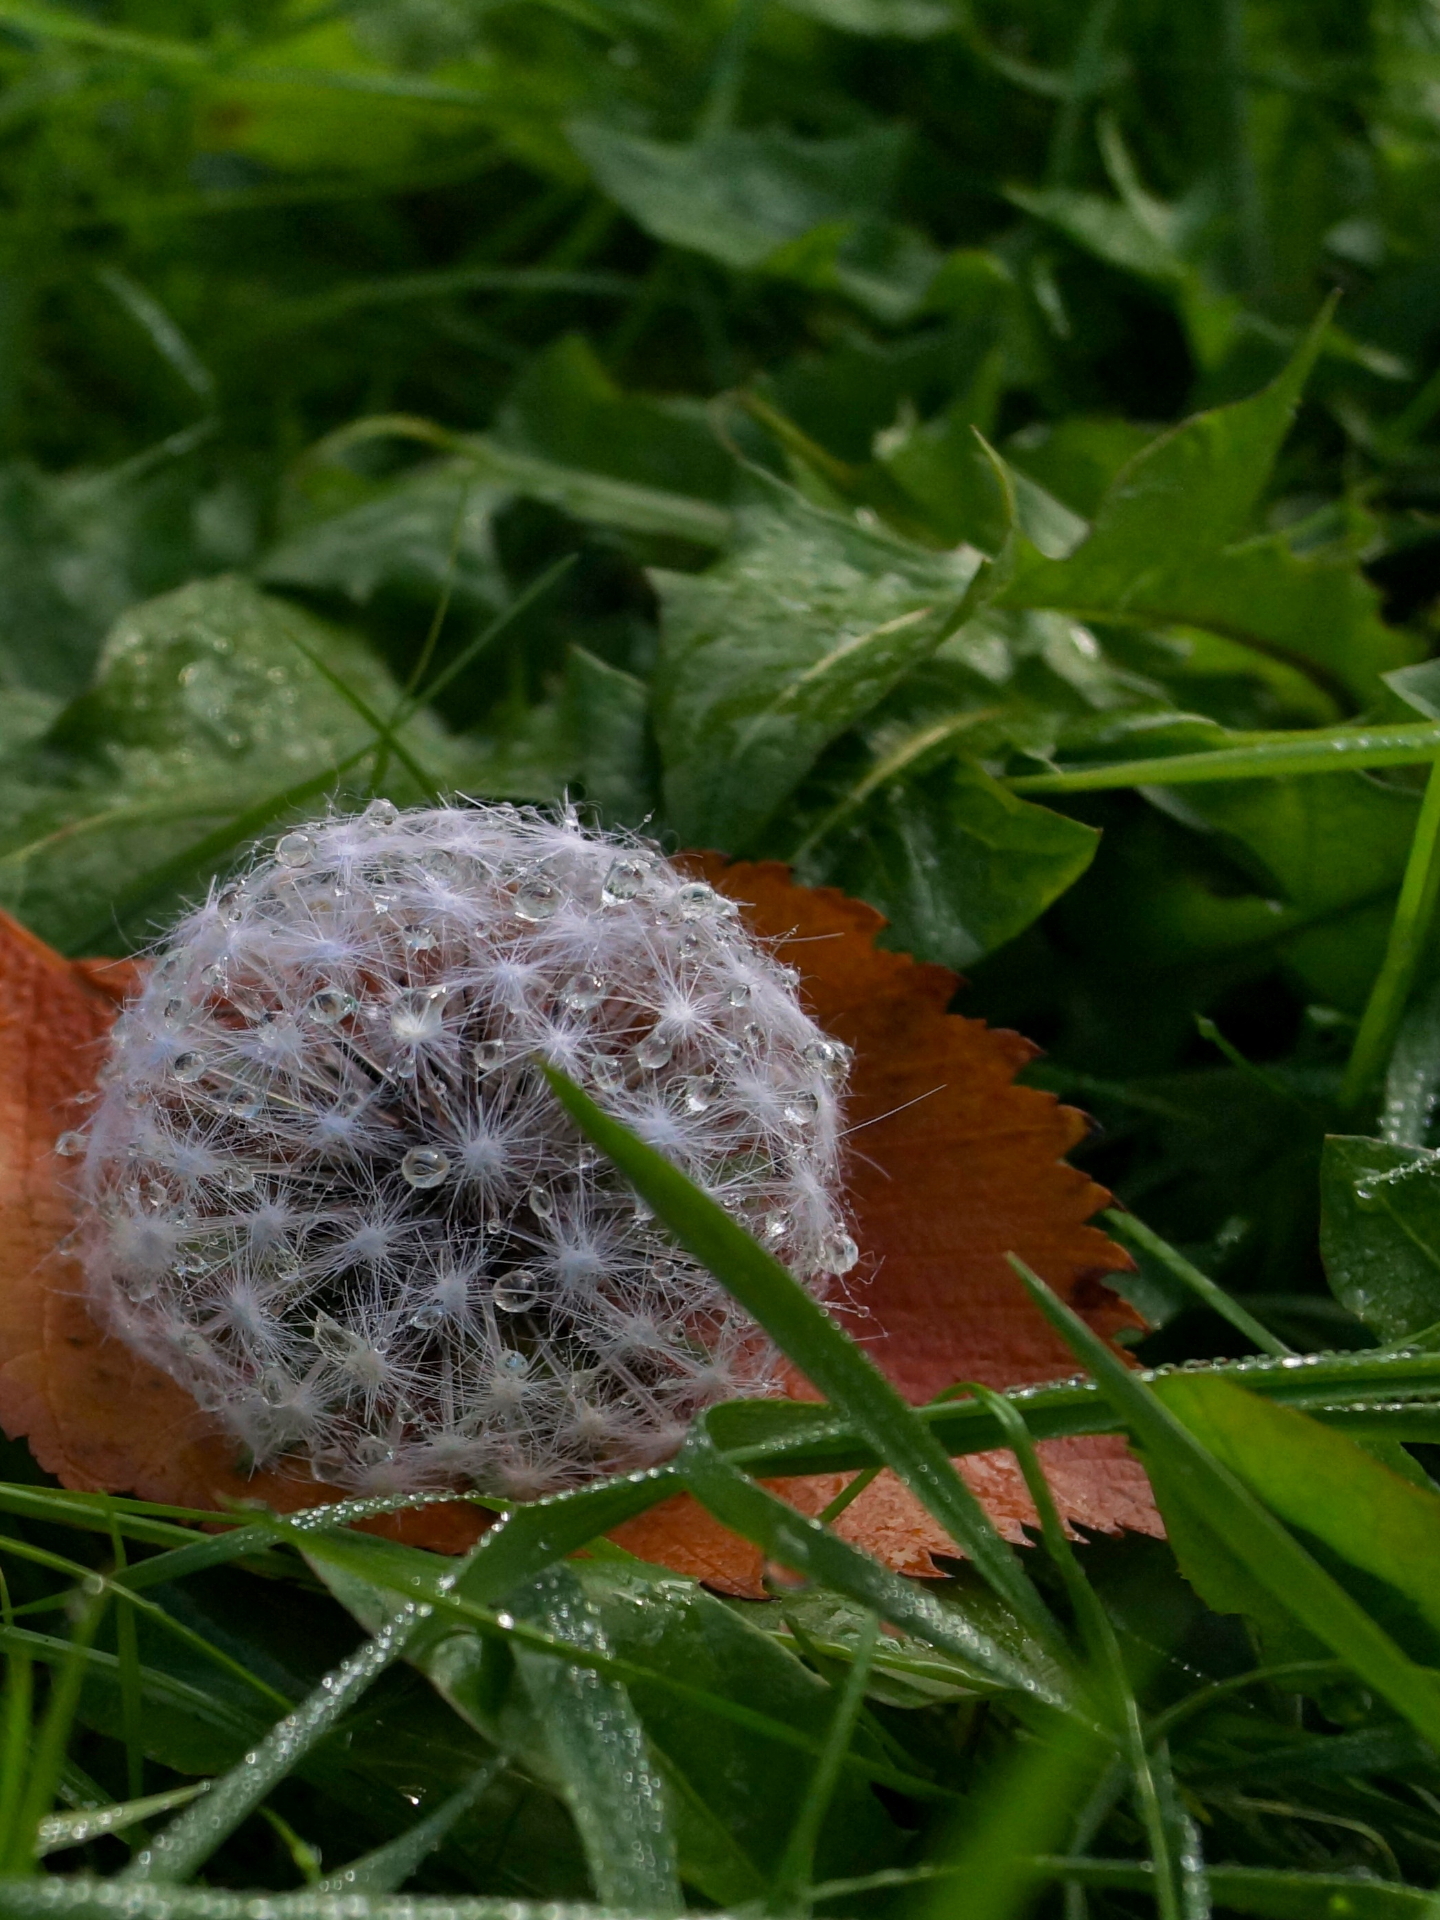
(326, 1189)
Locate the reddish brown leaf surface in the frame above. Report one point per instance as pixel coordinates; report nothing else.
(953, 1167)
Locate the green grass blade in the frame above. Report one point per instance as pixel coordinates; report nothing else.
(1127, 1228)
(60, 1830)
(47, 1755)
(1253, 757)
(385, 1868)
(797, 1865)
(18, 1707)
(614, 1790)
(1269, 1893)
(796, 1541)
(1268, 1553)
(1414, 916)
(808, 1337)
(180, 1849)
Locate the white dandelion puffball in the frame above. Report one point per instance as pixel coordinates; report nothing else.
(326, 1188)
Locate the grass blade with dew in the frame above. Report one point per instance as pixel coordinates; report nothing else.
(183, 1847)
(386, 1868)
(796, 1541)
(597, 1745)
(1270, 1555)
(796, 1871)
(808, 1337)
(1253, 757)
(60, 1830)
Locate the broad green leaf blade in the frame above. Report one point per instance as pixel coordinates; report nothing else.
(599, 1751)
(1367, 1518)
(1380, 1233)
(809, 1338)
(955, 862)
(774, 652)
(1271, 1560)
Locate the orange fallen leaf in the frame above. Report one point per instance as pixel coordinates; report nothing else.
(954, 1166)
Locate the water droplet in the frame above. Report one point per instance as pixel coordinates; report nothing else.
(488, 1055)
(294, 850)
(243, 1100)
(427, 1316)
(838, 1252)
(694, 901)
(654, 1051)
(585, 991)
(538, 897)
(188, 1066)
(238, 1178)
(329, 1006)
(542, 1202)
(626, 878)
(663, 1270)
(802, 1107)
(216, 975)
(382, 813)
(753, 1034)
(739, 994)
(517, 1292)
(514, 1363)
(828, 1057)
(702, 1092)
(177, 1012)
(775, 1226)
(276, 1386)
(1367, 1199)
(70, 1145)
(418, 1014)
(608, 1073)
(425, 1167)
(419, 940)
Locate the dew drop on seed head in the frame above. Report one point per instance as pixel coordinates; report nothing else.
(382, 813)
(654, 1052)
(238, 1178)
(515, 1363)
(775, 1225)
(802, 1107)
(538, 897)
(70, 1145)
(542, 1202)
(626, 878)
(702, 1090)
(294, 850)
(827, 1057)
(419, 1015)
(419, 940)
(329, 1006)
(739, 994)
(187, 1067)
(584, 992)
(518, 1292)
(694, 900)
(425, 1167)
(838, 1253)
(427, 1316)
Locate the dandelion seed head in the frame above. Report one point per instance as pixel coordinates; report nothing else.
(327, 1189)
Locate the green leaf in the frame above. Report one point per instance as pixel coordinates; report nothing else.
(204, 700)
(957, 865)
(1168, 546)
(809, 210)
(778, 649)
(607, 715)
(1380, 1233)
(599, 1752)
